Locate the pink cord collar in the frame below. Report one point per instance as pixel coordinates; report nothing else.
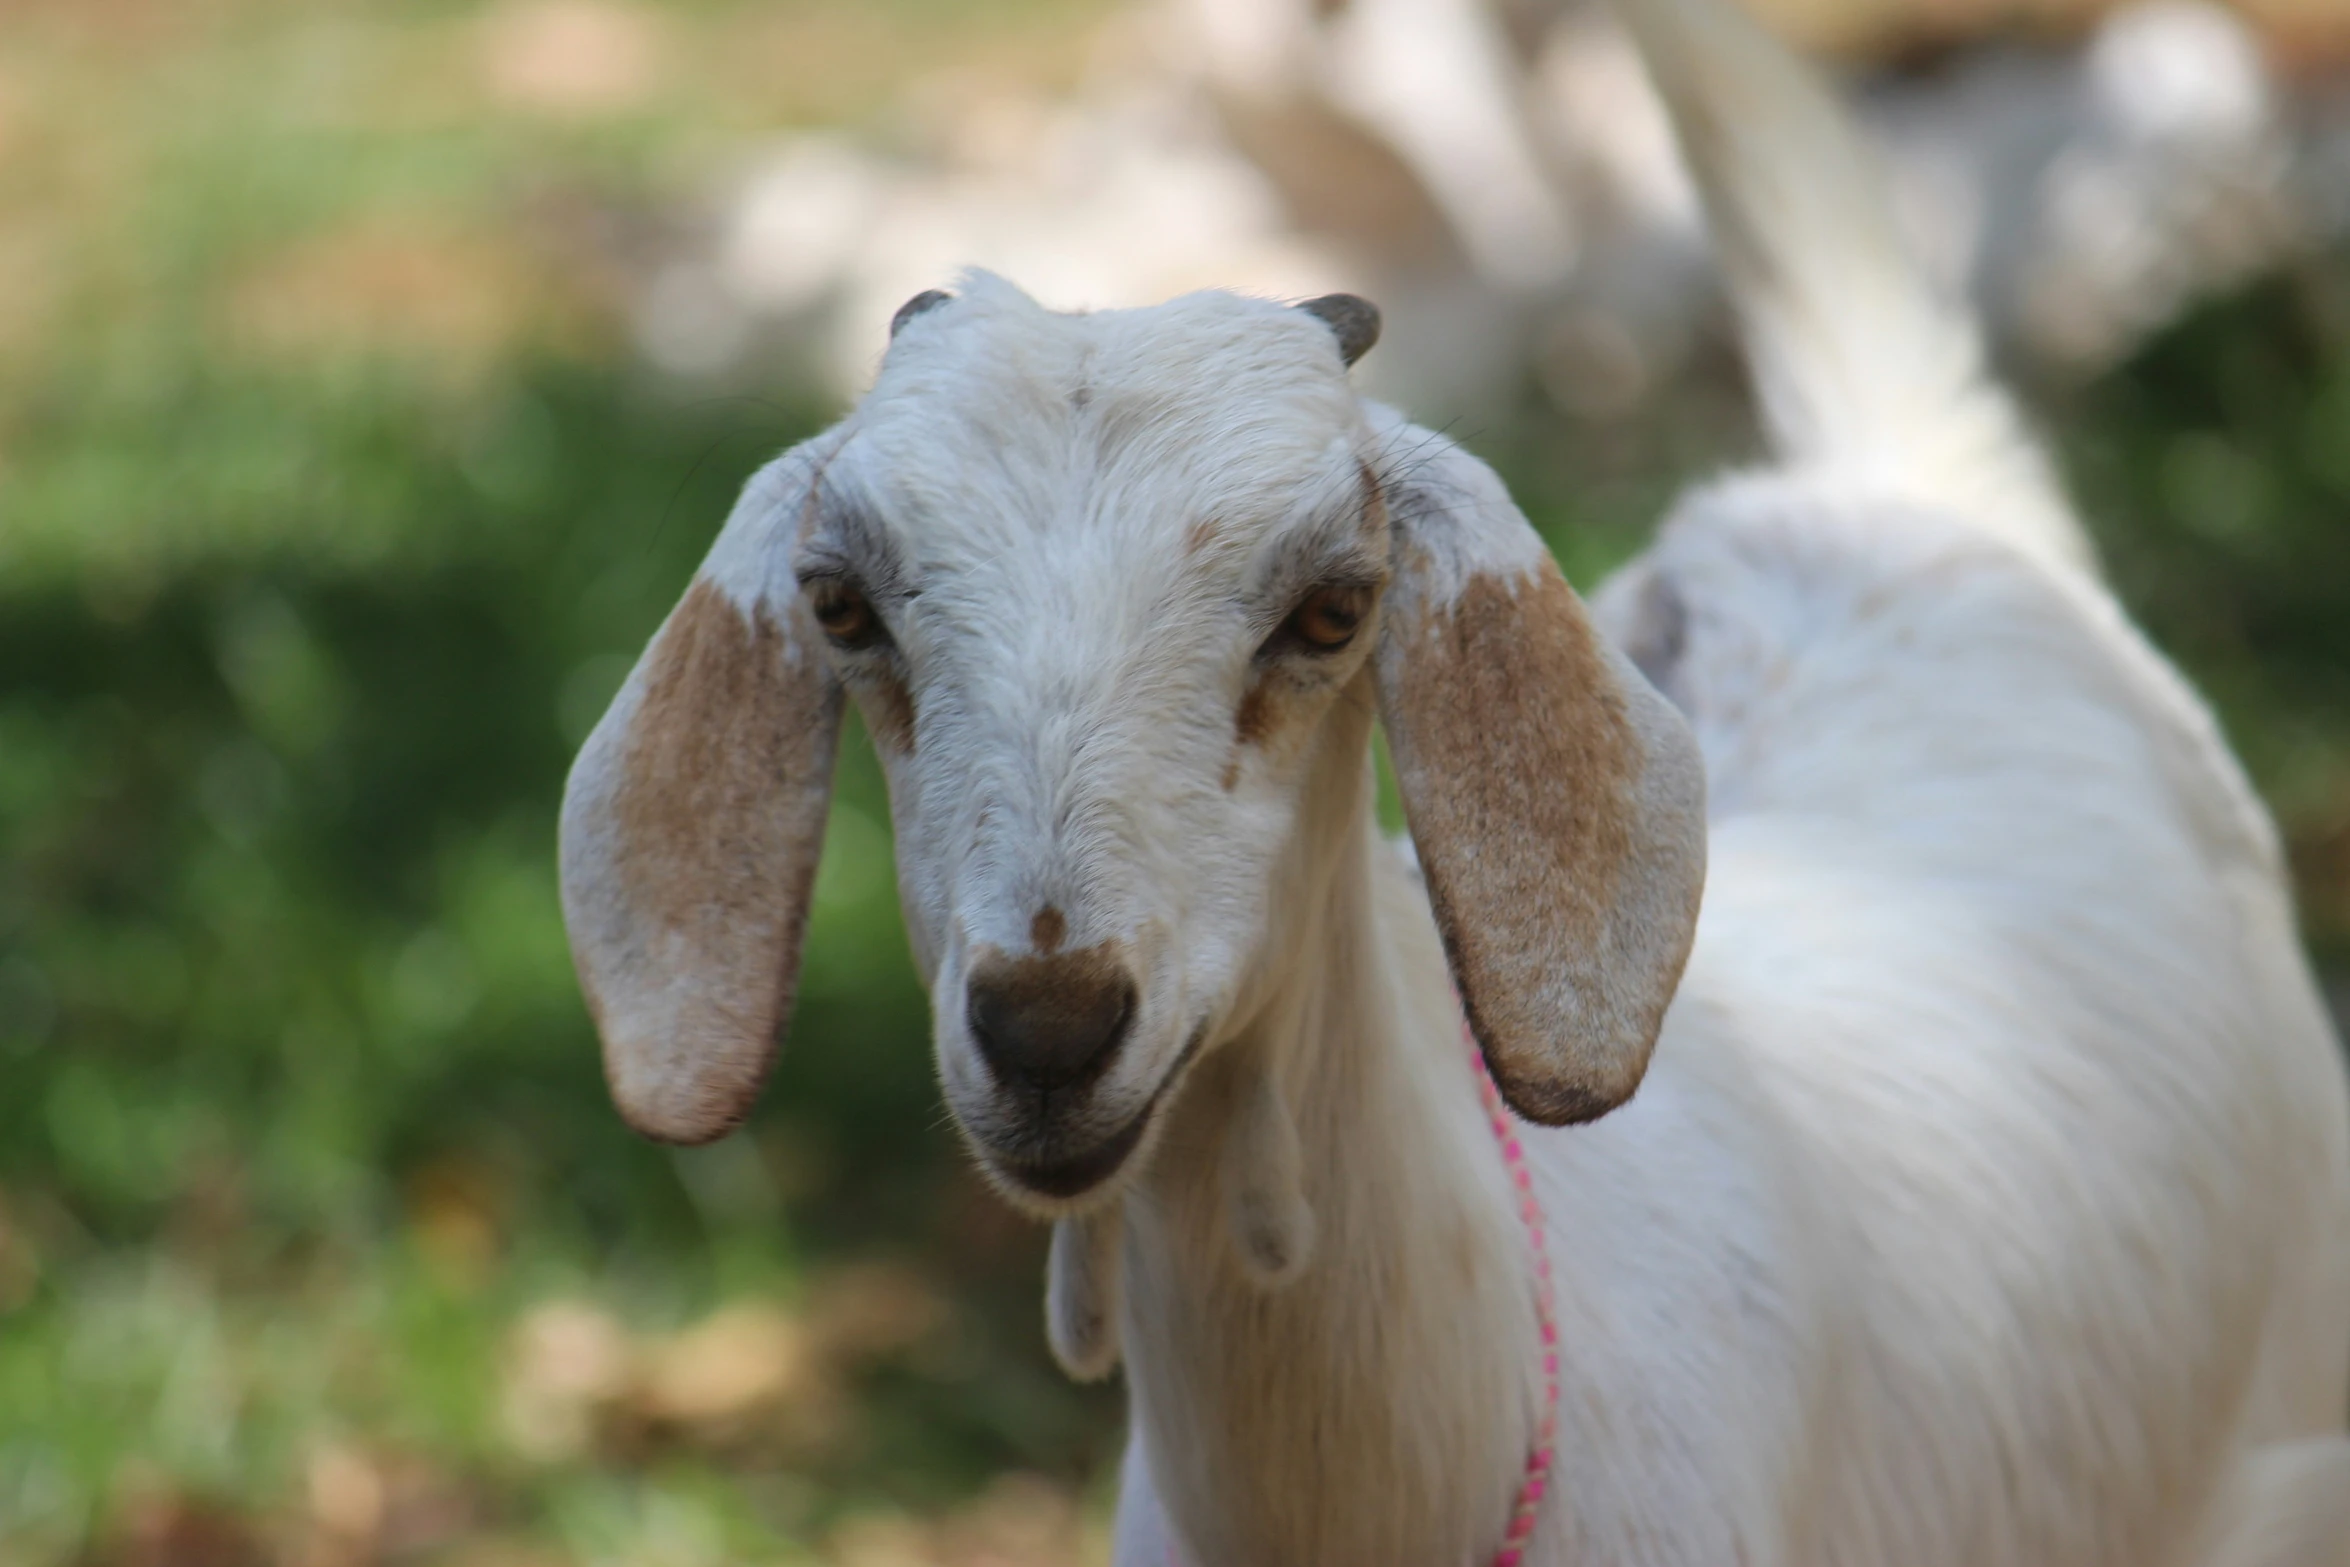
(1536, 1480)
(1545, 1449)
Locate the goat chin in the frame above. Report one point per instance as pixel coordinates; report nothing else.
(1264, 1188)
(1272, 1229)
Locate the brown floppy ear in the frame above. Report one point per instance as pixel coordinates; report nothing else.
(1556, 800)
(692, 822)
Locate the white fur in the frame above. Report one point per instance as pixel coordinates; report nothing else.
(1264, 1185)
(1083, 1275)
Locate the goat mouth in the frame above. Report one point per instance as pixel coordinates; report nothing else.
(1064, 1179)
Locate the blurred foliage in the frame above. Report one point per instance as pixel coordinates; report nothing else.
(333, 505)
(2216, 466)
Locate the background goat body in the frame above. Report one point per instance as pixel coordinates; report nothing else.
(1988, 1198)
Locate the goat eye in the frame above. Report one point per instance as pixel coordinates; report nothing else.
(1326, 619)
(847, 618)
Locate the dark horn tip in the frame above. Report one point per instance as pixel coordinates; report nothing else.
(928, 299)
(1353, 320)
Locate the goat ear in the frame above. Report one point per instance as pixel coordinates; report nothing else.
(692, 822)
(1556, 801)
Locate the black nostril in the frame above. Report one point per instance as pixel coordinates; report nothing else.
(1050, 1022)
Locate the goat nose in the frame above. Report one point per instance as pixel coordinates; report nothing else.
(1051, 1021)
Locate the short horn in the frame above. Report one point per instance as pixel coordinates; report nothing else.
(1353, 320)
(928, 299)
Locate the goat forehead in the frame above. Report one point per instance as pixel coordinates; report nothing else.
(1080, 640)
(1133, 430)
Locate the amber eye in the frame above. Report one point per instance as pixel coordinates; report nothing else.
(1326, 619)
(845, 615)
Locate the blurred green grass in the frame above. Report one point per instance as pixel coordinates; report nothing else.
(333, 504)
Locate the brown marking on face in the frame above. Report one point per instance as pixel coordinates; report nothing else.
(889, 713)
(716, 822)
(1201, 534)
(1254, 720)
(1519, 765)
(1250, 725)
(1045, 932)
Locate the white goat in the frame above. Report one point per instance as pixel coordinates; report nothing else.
(1987, 1203)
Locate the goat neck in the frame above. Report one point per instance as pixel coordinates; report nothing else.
(1373, 1403)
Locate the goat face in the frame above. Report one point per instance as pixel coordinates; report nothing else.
(1113, 593)
(1093, 581)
